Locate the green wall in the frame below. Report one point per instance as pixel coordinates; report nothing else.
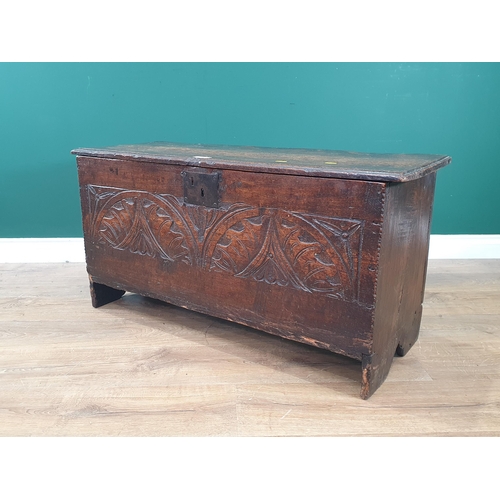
(47, 109)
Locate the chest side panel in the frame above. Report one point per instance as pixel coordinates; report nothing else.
(291, 255)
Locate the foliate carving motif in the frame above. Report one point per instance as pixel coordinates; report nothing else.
(308, 252)
(141, 223)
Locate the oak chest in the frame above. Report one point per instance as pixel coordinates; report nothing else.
(328, 248)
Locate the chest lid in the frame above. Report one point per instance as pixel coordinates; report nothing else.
(306, 162)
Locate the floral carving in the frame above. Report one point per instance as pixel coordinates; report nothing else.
(308, 252)
(144, 224)
(285, 248)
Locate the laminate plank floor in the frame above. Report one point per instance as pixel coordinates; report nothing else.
(140, 367)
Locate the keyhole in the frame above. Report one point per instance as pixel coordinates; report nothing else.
(192, 181)
(202, 193)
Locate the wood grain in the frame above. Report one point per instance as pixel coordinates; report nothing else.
(401, 281)
(140, 367)
(272, 257)
(328, 256)
(294, 161)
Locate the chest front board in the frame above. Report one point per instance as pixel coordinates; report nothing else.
(291, 255)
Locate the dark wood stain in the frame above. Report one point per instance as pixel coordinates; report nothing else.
(332, 257)
(401, 276)
(316, 163)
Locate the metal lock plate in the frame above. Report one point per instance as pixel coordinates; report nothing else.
(201, 188)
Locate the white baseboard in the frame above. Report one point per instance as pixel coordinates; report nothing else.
(31, 250)
(464, 246)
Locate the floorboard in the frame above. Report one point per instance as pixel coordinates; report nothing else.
(139, 367)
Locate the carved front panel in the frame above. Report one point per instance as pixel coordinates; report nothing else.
(308, 252)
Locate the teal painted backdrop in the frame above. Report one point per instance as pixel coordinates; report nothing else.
(440, 108)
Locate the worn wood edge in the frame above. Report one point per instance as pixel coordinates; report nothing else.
(394, 331)
(40, 250)
(289, 169)
(374, 370)
(115, 285)
(371, 376)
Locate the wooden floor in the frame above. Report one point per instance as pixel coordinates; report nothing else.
(139, 367)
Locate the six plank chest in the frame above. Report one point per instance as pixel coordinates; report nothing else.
(328, 248)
